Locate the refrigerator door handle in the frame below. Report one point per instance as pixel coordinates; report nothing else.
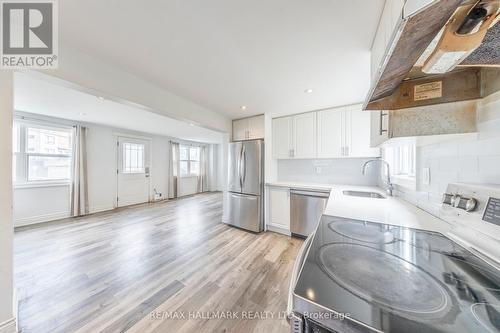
(244, 159)
(240, 164)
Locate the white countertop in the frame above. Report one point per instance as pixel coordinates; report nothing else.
(391, 210)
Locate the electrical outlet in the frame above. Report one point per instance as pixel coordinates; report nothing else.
(426, 176)
(318, 170)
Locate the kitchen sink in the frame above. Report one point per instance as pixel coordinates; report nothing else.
(364, 194)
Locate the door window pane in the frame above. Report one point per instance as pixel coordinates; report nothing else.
(48, 168)
(133, 158)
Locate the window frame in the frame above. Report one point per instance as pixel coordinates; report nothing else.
(129, 170)
(189, 173)
(403, 165)
(22, 156)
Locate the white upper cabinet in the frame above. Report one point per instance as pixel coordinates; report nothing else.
(240, 129)
(256, 127)
(248, 128)
(358, 129)
(391, 15)
(295, 136)
(304, 135)
(282, 137)
(330, 133)
(334, 133)
(379, 127)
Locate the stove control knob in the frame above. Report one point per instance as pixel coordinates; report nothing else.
(470, 205)
(447, 198)
(455, 200)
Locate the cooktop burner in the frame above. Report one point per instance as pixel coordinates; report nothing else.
(396, 279)
(487, 315)
(363, 232)
(384, 278)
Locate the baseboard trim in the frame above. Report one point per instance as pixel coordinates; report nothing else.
(40, 218)
(99, 209)
(278, 229)
(8, 326)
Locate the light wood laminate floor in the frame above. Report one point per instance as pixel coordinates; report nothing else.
(142, 268)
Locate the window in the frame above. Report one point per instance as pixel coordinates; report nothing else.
(41, 153)
(189, 161)
(405, 161)
(402, 160)
(133, 158)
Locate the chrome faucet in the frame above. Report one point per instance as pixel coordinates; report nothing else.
(389, 187)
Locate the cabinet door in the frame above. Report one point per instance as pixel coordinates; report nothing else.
(379, 127)
(330, 136)
(358, 129)
(279, 207)
(240, 129)
(304, 135)
(256, 127)
(282, 137)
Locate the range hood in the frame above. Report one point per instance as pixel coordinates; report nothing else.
(441, 51)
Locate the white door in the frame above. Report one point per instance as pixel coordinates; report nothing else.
(133, 171)
(304, 139)
(282, 137)
(358, 126)
(330, 133)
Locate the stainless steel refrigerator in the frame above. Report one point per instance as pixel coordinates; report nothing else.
(246, 185)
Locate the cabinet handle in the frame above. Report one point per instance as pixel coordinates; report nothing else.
(381, 128)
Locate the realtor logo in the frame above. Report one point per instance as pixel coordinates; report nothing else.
(29, 34)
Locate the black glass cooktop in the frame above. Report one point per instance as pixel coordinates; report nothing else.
(397, 279)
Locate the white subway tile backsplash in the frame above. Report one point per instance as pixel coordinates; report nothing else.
(333, 171)
(480, 147)
(475, 159)
(489, 169)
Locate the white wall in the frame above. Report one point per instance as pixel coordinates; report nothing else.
(6, 227)
(40, 204)
(333, 171)
(475, 159)
(105, 79)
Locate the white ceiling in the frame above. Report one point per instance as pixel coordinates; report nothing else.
(35, 95)
(223, 54)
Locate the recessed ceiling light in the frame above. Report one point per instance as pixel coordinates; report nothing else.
(82, 114)
(100, 98)
(191, 124)
(243, 107)
(308, 91)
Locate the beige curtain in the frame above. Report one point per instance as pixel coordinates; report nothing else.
(174, 170)
(79, 190)
(203, 176)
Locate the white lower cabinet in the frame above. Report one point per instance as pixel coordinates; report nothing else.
(278, 209)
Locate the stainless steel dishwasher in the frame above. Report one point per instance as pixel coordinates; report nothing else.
(306, 208)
